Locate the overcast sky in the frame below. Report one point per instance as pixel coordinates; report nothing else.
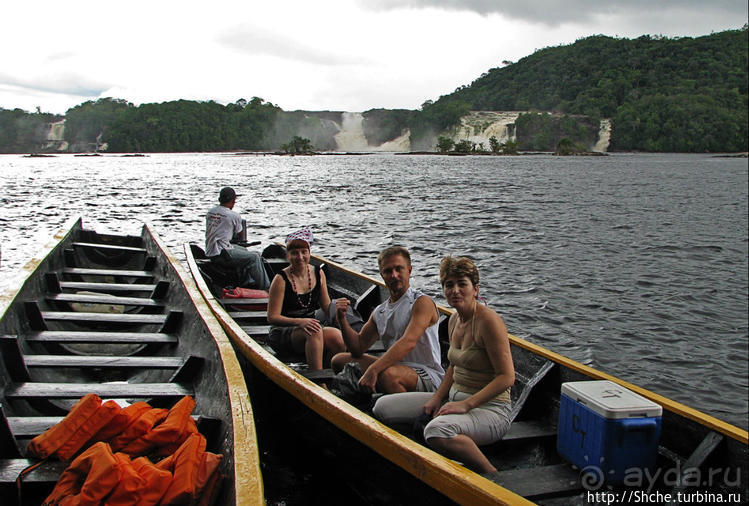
(303, 54)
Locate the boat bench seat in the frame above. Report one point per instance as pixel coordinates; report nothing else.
(48, 472)
(531, 429)
(106, 287)
(320, 376)
(249, 302)
(39, 390)
(258, 332)
(110, 247)
(80, 271)
(64, 336)
(537, 482)
(75, 316)
(102, 299)
(103, 362)
(249, 315)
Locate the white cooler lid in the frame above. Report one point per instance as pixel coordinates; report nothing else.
(611, 400)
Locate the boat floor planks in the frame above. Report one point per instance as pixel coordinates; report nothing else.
(120, 317)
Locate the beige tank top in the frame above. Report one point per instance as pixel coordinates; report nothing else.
(472, 369)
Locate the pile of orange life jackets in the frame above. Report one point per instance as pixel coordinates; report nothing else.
(113, 469)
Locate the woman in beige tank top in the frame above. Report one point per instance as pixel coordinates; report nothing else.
(472, 405)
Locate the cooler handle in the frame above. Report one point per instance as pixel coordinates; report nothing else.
(637, 424)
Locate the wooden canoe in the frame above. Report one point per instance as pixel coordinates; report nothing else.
(117, 316)
(530, 469)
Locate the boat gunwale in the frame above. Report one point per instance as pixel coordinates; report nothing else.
(675, 407)
(425, 464)
(246, 455)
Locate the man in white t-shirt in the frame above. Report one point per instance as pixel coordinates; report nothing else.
(407, 324)
(222, 224)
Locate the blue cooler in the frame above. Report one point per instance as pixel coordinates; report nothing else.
(606, 430)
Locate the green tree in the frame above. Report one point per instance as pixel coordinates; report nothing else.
(445, 144)
(494, 144)
(297, 146)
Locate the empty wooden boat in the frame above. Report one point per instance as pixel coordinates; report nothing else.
(117, 316)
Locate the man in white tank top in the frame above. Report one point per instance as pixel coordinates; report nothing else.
(407, 323)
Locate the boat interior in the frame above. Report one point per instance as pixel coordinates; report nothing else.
(100, 314)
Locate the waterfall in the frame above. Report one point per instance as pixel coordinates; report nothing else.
(56, 131)
(480, 126)
(604, 136)
(351, 137)
(399, 144)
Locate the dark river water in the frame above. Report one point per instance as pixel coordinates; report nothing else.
(633, 264)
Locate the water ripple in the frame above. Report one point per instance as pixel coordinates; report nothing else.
(634, 264)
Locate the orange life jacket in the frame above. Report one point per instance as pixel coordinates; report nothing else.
(88, 479)
(130, 487)
(122, 421)
(47, 443)
(173, 431)
(193, 469)
(101, 417)
(138, 428)
(157, 481)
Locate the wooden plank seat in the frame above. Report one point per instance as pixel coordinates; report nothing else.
(64, 336)
(530, 429)
(256, 331)
(48, 472)
(107, 287)
(320, 376)
(249, 315)
(537, 482)
(248, 302)
(110, 247)
(39, 390)
(103, 299)
(102, 362)
(80, 271)
(75, 316)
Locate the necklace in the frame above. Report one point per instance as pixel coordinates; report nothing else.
(308, 294)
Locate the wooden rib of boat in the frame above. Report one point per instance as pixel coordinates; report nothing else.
(117, 316)
(693, 445)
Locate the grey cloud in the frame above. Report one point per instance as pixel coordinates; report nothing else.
(63, 84)
(254, 41)
(555, 12)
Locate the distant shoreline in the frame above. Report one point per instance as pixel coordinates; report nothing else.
(366, 153)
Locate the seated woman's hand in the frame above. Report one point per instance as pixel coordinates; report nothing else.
(432, 406)
(456, 408)
(311, 326)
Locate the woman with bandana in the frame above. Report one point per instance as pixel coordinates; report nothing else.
(296, 293)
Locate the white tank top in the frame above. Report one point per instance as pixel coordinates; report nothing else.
(392, 319)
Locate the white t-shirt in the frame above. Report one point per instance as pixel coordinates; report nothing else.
(392, 319)
(221, 223)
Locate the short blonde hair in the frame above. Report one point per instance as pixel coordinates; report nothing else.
(392, 251)
(458, 267)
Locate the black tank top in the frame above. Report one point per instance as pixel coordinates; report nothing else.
(294, 304)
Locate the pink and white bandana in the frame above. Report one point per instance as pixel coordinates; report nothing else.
(304, 234)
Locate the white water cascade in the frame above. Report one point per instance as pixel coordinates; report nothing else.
(604, 136)
(351, 137)
(480, 126)
(56, 136)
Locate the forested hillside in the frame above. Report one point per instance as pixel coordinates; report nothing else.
(682, 94)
